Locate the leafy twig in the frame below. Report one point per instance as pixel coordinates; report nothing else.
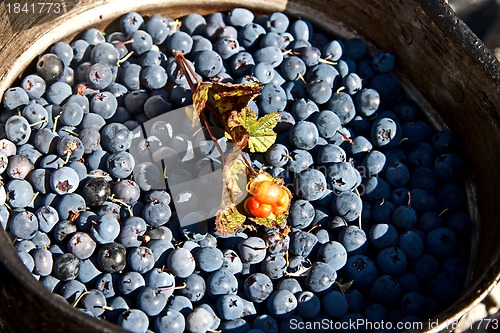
(229, 104)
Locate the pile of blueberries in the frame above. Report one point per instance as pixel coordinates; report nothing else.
(378, 229)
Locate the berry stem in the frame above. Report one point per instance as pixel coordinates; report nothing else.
(56, 119)
(402, 140)
(33, 199)
(345, 137)
(326, 61)
(313, 227)
(301, 77)
(70, 132)
(68, 155)
(174, 287)
(75, 303)
(212, 136)
(175, 25)
(189, 73)
(109, 308)
(121, 202)
(125, 58)
(290, 52)
(186, 70)
(359, 218)
(125, 42)
(443, 212)
(145, 238)
(43, 121)
(248, 164)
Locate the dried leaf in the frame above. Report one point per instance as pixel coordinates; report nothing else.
(271, 222)
(192, 114)
(223, 97)
(229, 220)
(234, 177)
(227, 97)
(343, 287)
(200, 97)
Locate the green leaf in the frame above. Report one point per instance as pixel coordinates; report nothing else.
(260, 131)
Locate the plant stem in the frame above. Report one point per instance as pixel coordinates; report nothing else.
(187, 70)
(189, 73)
(212, 136)
(248, 164)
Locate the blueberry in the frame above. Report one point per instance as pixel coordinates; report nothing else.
(272, 99)
(93, 36)
(335, 304)
(115, 137)
(133, 320)
(130, 22)
(141, 42)
(50, 67)
(96, 191)
(319, 278)
(343, 106)
(181, 42)
(250, 34)
(181, 262)
(81, 245)
(112, 257)
(66, 267)
(281, 304)
(153, 77)
(17, 130)
(334, 254)
(270, 54)
(199, 320)
(208, 63)
(170, 321)
(64, 180)
(58, 92)
(99, 75)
